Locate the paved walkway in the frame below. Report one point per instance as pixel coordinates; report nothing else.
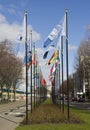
(11, 115)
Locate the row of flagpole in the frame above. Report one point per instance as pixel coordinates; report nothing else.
(38, 77)
(55, 41)
(49, 40)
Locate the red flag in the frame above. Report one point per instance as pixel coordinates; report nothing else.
(34, 60)
(44, 82)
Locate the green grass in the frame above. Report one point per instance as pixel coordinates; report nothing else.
(49, 117)
(55, 127)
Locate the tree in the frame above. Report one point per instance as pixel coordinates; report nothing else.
(10, 67)
(82, 64)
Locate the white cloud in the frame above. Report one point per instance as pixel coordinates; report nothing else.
(72, 47)
(2, 19)
(10, 31)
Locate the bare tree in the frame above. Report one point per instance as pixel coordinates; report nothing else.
(82, 64)
(10, 67)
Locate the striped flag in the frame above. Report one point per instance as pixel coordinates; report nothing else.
(53, 58)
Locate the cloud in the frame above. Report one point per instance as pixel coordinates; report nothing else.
(72, 47)
(88, 27)
(2, 19)
(10, 31)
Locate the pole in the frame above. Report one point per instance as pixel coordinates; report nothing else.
(31, 65)
(26, 68)
(59, 84)
(36, 82)
(62, 73)
(34, 77)
(68, 114)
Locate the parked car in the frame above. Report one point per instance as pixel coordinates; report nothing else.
(81, 99)
(74, 99)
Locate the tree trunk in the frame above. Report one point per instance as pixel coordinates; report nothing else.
(14, 91)
(8, 89)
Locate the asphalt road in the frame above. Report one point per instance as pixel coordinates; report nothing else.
(81, 105)
(11, 115)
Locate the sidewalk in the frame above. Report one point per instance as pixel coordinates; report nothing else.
(11, 115)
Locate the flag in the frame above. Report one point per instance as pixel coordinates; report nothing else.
(43, 82)
(47, 51)
(50, 76)
(55, 42)
(63, 30)
(62, 33)
(28, 59)
(33, 60)
(60, 29)
(54, 68)
(22, 32)
(52, 36)
(52, 72)
(53, 57)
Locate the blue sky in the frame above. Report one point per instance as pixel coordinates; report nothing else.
(43, 16)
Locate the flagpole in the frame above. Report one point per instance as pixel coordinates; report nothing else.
(36, 82)
(59, 82)
(68, 112)
(62, 73)
(34, 76)
(26, 67)
(31, 65)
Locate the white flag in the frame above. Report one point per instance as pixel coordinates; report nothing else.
(22, 32)
(63, 30)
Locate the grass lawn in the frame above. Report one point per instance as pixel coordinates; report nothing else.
(49, 117)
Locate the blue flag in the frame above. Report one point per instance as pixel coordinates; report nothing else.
(60, 29)
(52, 36)
(28, 59)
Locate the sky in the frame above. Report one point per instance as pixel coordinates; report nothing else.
(42, 17)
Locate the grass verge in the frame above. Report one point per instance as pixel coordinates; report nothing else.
(49, 117)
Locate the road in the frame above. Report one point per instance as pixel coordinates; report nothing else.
(11, 115)
(81, 105)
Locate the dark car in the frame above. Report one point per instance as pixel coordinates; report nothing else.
(81, 99)
(74, 99)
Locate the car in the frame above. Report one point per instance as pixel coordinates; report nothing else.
(81, 99)
(74, 99)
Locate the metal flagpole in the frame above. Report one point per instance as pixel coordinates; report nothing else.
(31, 64)
(68, 113)
(34, 75)
(26, 67)
(62, 73)
(59, 84)
(36, 82)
